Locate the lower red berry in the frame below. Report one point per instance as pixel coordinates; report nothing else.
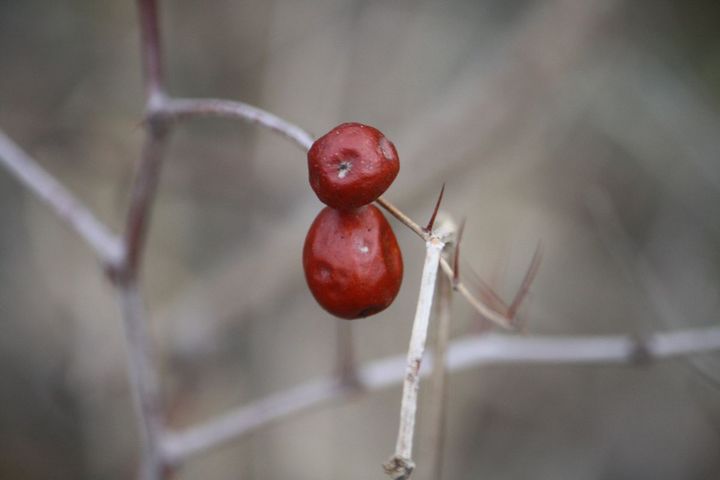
(352, 262)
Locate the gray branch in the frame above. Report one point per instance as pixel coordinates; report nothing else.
(105, 244)
(463, 354)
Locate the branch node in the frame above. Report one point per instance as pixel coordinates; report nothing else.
(399, 468)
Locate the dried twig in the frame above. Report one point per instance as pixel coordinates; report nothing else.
(438, 382)
(464, 353)
(401, 465)
(105, 244)
(150, 47)
(144, 381)
(181, 108)
(142, 198)
(403, 218)
(487, 312)
(142, 364)
(526, 282)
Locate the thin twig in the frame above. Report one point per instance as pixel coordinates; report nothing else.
(105, 244)
(456, 255)
(144, 380)
(221, 429)
(463, 354)
(142, 364)
(428, 228)
(142, 197)
(403, 218)
(181, 108)
(401, 465)
(526, 282)
(151, 50)
(487, 312)
(438, 381)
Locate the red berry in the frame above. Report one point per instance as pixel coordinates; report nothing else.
(352, 262)
(352, 165)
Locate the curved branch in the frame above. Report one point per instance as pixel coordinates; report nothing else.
(181, 108)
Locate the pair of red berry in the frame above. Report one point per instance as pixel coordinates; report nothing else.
(351, 257)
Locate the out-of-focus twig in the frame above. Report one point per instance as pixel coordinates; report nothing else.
(105, 244)
(438, 382)
(141, 359)
(181, 108)
(462, 354)
(487, 312)
(144, 381)
(150, 50)
(142, 198)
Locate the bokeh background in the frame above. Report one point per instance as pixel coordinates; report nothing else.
(591, 125)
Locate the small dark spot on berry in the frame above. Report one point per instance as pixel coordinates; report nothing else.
(371, 310)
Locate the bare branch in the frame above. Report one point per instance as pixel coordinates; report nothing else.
(401, 465)
(151, 50)
(223, 428)
(181, 108)
(142, 197)
(142, 364)
(438, 381)
(463, 354)
(105, 244)
(144, 380)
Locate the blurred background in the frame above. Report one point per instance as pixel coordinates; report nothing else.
(593, 126)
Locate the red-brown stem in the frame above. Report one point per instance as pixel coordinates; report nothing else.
(144, 382)
(151, 49)
(527, 281)
(456, 256)
(403, 218)
(142, 197)
(430, 224)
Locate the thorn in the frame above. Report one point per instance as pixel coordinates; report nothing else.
(527, 281)
(456, 257)
(430, 224)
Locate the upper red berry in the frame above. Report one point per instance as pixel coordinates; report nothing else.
(352, 261)
(352, 165)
